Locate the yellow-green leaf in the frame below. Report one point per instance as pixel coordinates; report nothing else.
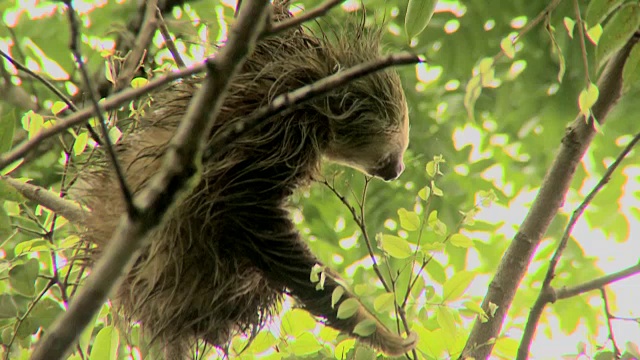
(80, 144)
(446, 320)
(384, 302)
(456, 286)
(588, 98)
(365, 327)
(336, 295)
(419, 12)
(424, 193)
(558, 50)
(58, 107)
(139, 82)
(569, 24)
(594, 33)
(343, 348)
(471, 95)
(409, 220)
(105, 346)
(33, 123)
(305, 344)
(623, 24)
(507, 47)
(395, 246)
(460, 240)
(348, 308)
(114, 134)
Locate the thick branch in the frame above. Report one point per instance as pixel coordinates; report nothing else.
(545, 207)
(49, 199)
(179, 168)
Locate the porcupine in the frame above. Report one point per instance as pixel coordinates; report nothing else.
(228, 252)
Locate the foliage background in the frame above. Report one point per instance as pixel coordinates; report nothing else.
(505, 149)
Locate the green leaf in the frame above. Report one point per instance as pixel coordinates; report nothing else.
(460, 240)
(5, 225)
(7, 128)
(139, 82)
(436, 271)
(631, 70)
(33, 123)
(471, 95)
(409, 220)
(424, 193)
(336, 295)
(597, 10)
(105, 346)
(58, 107)
(456, 286)
(587, 99)
(558, 50)
(623, 24)
(507, 347)
(343, 348)
(395, 246)
(29, 246)
(365, 327)
(8, 192)
(569, 24)
(419, 12)
(80, 144)
(264, 341)
(594, 33)
(384, 302)
(305, 344)
(114, 134)
(446, 320)
(297, 321)
(348, 308)
(22, 277)
(8, 308)
(507, 47)
(46, 311)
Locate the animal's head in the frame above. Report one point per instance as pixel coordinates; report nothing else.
(368, 119)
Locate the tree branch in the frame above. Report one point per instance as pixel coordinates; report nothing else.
(49, 199)
(547, 294)
(179, 167)
(556, 183)
(598, 283)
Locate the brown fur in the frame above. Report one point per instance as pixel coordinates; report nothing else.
(223, 259)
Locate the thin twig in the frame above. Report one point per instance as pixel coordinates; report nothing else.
(316, 12)
(135, 57)
(607, 313)
(583, 45)
(547, 294)
(565, 293)
(98, 110)
(166, 35)
(41, 79)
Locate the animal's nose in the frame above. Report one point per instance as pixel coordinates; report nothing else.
(390, 171)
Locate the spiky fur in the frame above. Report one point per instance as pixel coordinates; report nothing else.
(227, 253)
